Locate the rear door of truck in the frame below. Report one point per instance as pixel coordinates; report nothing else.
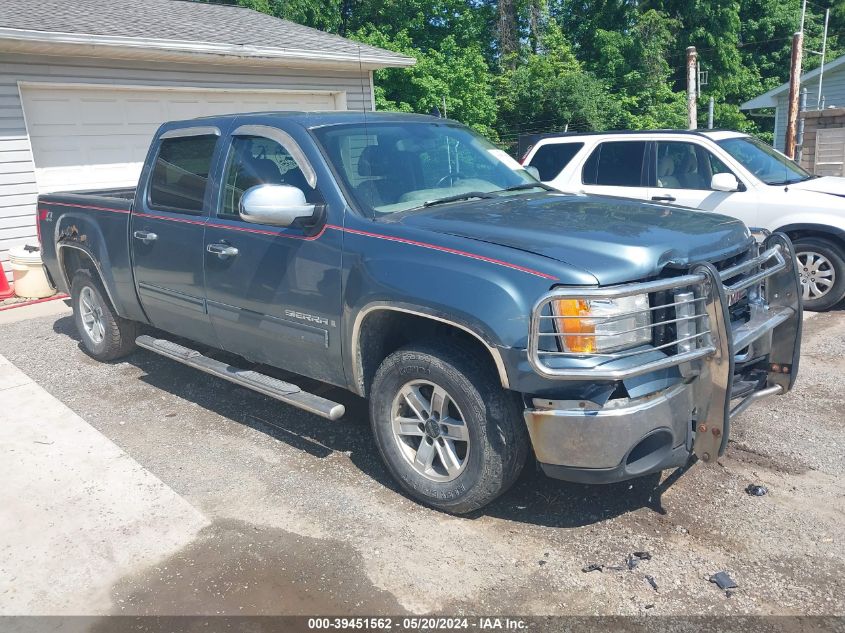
(167, 229)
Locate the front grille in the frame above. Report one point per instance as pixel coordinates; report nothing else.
(679, 326)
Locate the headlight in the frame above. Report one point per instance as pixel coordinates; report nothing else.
(597, 326)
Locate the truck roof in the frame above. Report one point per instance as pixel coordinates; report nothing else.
(317, 119)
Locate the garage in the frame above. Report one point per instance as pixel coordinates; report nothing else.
(85, 137)
(84, 84)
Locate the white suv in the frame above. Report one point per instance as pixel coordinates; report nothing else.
(725, 172)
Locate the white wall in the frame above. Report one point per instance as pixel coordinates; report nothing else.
(833, 90)
(17, 175)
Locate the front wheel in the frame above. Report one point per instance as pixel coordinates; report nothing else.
(821, 265)
(448, 432)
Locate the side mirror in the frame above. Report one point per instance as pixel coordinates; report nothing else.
(277, 205)
(533, 171)
(724, 182)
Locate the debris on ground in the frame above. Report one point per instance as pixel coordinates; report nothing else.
(723, 580)
(651, 581)
(592, 567)
(635, 557)
(756, 490)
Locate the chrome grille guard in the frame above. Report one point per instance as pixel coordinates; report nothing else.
(704, 344)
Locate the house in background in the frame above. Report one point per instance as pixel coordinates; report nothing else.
(833, 95)
(85, 84)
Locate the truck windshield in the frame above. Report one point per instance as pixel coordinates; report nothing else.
(762, 160)
(391, 167)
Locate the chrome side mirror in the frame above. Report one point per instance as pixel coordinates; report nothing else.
(277, 205)
(724, 182)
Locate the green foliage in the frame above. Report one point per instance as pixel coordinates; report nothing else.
(511, 66)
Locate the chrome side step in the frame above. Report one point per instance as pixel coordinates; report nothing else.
(269, 386)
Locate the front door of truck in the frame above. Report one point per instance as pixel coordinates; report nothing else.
(273, 293)
(166, 232)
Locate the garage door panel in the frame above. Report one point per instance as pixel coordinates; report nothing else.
(98, 136)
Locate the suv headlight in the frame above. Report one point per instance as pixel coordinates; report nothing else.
(597, 326)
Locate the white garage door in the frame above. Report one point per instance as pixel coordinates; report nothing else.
(97, 136)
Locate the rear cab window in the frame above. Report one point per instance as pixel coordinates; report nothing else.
(180, 173)
(551, 159)
(616, 164)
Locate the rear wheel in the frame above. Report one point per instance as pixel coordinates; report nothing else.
(448, 432)
(105, 335)
(821, 265)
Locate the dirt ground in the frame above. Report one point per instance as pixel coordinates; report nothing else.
(304, 518)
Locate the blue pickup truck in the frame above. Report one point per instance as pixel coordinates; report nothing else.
(486, 317)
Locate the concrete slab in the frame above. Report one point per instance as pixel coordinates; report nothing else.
(35, 310)
(78, 514)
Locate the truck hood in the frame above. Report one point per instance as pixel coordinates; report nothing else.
(825, 184)
(614, 239)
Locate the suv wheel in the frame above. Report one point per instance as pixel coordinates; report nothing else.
(448, 432)
(105, 335)
(821, 266)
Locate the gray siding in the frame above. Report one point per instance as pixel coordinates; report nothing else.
(17, 176)
(833, 91)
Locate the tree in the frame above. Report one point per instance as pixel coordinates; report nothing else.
(459, 75)
(550, 90)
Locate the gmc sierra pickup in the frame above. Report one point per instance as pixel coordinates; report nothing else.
(405, 258)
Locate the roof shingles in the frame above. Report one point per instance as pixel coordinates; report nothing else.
(178, 20)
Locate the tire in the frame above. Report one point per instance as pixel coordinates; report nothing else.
(481, 467)
(823, 258)
(105, 336)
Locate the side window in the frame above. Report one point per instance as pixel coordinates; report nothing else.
(681, 165)
(256, 160)
(615, 164)
(180, 173)
(550, 159)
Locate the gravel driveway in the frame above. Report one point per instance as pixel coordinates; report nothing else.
(305, 519)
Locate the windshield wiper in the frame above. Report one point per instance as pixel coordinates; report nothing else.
(458, 197)
(529, 185)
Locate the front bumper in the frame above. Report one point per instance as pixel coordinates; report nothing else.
(713, 371)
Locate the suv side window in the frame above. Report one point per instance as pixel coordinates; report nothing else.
(681, 165)
(550, 159)
(615, 164)
(180, 173)
(257, 160)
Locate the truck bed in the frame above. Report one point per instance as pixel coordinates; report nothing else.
(93, 223)
(125, 193)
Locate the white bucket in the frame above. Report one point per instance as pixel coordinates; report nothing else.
(28, 274)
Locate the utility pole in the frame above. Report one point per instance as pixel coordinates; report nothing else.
(692, 83)
(710, 114)
(794, 85)
(799, 142)
(824, 50)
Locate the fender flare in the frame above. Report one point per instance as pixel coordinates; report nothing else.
(77, 246)
(427, 313)
(816, 228)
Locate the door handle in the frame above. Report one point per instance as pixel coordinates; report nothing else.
(663, 198)
(222, 250)
(145, 236)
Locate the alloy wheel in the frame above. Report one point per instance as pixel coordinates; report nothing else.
(92, 315)
(430, 431)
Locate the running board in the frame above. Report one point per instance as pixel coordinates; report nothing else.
(269, 386)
